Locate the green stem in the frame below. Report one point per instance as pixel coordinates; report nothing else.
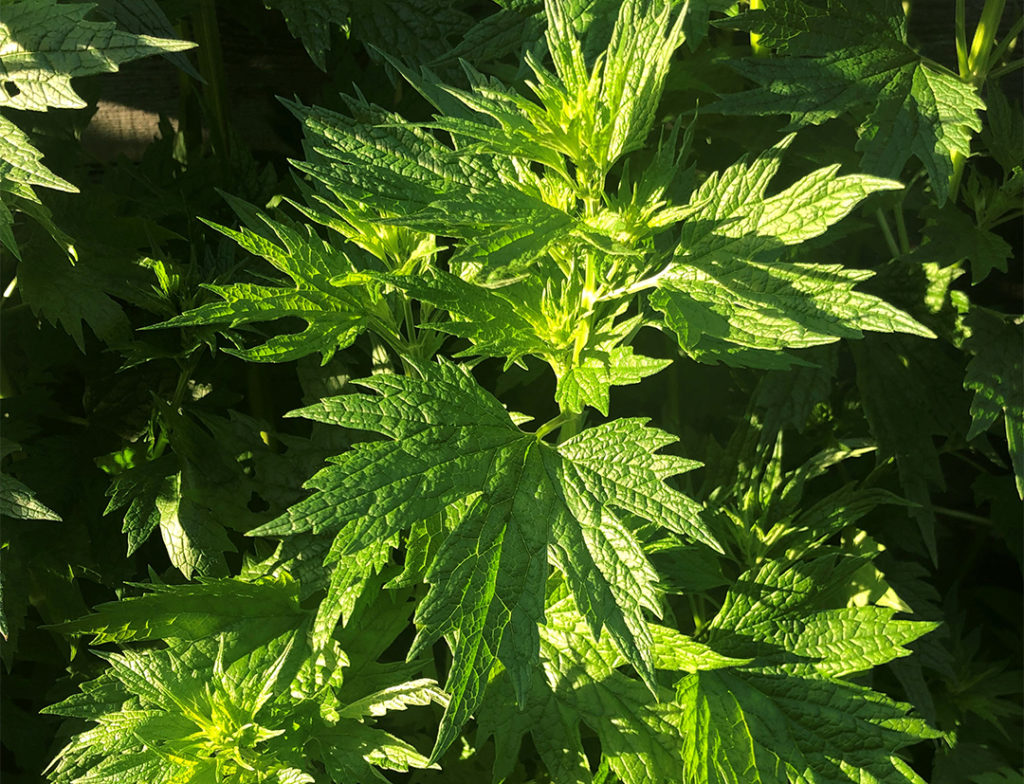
(997, 73)
(978, 61)
(755, 38)
(890, 240)
(974, 65)
(572, 426)
(9, 291)
(959, 161)
(552, 424)
(973, 518)
(901, 229)
(1000, 49)
(961, 39)
(211, 65)
(698, 616)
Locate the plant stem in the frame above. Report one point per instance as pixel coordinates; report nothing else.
(978, 61)
(973, 518)
(755, 38)
(901, 229)
(211, 65)
(974, 65)
(552, 424)
(890, 240)
(961, 39)
(572, 426)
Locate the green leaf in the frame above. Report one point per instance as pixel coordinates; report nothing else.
(70, 294)
(614, 104)
(994, 375)
(787, 717)
(727, 296)
(500, 321)
(195, 714)
(313, 23)
(246, 614)
(452, 440)
(43, 45)
(892, 374)
(639, 735)
(778, 607)
(20, 161)
(379, 161)
(854, 57)
(146, 16)
(951, 237)
(19, 501)
(773, 729)
(329, 294)
(588, 383)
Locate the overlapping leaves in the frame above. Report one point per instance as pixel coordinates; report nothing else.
(529, 501)
(43, 45)
(726, 295)
(234, 697)
(788, 716)
(840, 57)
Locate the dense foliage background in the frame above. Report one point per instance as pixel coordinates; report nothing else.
(874, 475)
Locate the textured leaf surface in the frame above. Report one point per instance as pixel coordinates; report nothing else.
(20, 161)
(854, 57)
(786, 717)
(43, 45)
(726, 295)
(995, 375)
(743, 727)
(375, 158)
(452, 440)
(19, 501)
(246, 613)
(328, 294)
(639, 735)
(588, 383)
(773, 612)
(216, 709)
(313, 23)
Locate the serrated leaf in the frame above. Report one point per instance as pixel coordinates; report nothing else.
(313, 23)
(419, 692)
(43, 45)
(329, 294)
(771, 729)
(588, 383)
(246, 614)
(854, 57)
(994, 375)
(612, 105)
(146, 16)
(786, 717)
(20, 161)
(189, 715)
(640, 735)
(727, 296)
(70, 295)
(194, 538)
(499, 321)
(453, 440)
(952, 237)
(892, 374)
(19, 501)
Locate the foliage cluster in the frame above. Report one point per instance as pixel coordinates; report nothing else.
(584, 391)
